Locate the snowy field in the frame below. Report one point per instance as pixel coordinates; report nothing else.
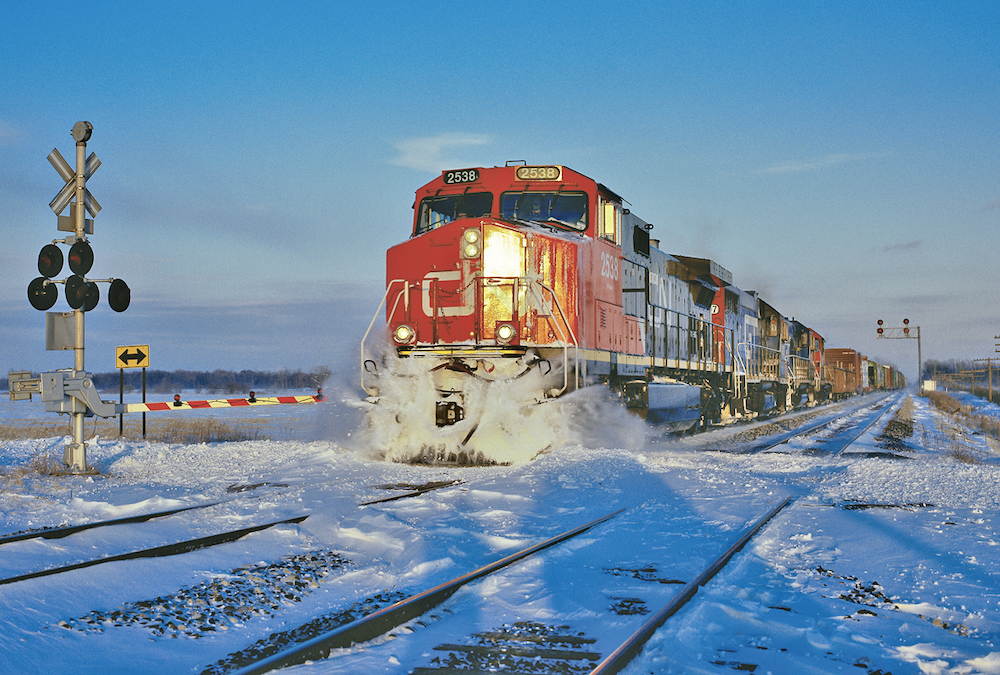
(878, 566)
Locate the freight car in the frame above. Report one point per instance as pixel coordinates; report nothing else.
(542, 276)
(846, 369)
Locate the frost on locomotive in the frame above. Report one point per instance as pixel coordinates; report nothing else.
(540, 276)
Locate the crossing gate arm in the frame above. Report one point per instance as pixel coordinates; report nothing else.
(219, 403)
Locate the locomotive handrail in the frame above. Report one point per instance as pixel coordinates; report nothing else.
(573, 340)
(567, 341)
(741, 365)
(797, 366)
(759, 366)
(751, 356)
(378, 311)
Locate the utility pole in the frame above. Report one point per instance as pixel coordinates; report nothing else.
(989, 375)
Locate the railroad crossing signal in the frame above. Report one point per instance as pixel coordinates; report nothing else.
(72, 391)
(81, 293)
(132, 356)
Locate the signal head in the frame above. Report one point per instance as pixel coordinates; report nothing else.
(42, 294)
(119, 295)
(81, 257)
(906, 322)
(50, 260)
(77, 291)
(93, 296)
(880, 322)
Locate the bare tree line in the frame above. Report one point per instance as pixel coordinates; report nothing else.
(216, 381)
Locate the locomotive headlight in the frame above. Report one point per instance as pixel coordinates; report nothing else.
(505, 333)
(472, 243)
(403, 334)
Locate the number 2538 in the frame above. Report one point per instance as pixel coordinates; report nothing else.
(609, 265)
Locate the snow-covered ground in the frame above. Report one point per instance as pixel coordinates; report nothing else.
(878, 566)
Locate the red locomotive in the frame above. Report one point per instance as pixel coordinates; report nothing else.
(539, 275)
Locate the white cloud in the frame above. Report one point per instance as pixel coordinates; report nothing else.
(903, 246)
(435, 153)
(9, 133)
(815, 163)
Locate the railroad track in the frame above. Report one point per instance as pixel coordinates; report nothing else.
(176, 548)
(525, 642)
(844, 437)
(180, 547)
(66, 530)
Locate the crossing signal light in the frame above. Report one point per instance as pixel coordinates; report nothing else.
(42, 294)
(50, 261)
(880, 327)
(78, 291)
(119, 295)
(93, 296)
(81, 257)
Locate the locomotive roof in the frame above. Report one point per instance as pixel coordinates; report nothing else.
(704, 266)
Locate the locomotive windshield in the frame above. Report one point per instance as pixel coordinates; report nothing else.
(567, 209)
(441, 210)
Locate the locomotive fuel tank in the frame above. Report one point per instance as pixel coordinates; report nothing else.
(673, 406)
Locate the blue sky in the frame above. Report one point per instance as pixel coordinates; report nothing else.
(841, 158)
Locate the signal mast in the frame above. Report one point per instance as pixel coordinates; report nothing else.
(903, 333)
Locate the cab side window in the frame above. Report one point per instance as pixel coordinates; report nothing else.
(610, 224)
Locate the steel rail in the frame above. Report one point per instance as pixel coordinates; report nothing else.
(156, 552)
(864, 428)
(381, 622)
(805, 431)
(416, 492)
(60, 532)
(619, 658)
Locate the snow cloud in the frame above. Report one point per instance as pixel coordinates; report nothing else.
(823, 162)
(435, 153)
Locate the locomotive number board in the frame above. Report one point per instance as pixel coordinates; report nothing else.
(461, 176)
(539, 173)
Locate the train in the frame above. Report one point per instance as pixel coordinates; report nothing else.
(540, 275)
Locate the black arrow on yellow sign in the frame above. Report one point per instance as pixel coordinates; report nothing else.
(125, 357)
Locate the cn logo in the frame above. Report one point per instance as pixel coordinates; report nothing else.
(432, 279)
